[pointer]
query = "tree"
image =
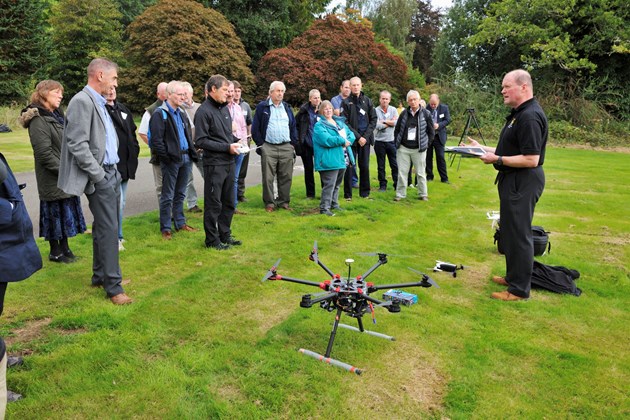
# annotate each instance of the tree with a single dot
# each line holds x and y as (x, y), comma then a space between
(392, 20)
(181, 40)
(424, 32)
(130, 9)
(329, 51)
(263, 25)
(23, 48)
(81, 31)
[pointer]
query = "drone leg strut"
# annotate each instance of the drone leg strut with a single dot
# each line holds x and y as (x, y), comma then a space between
(333, 333)
(373, 333)
(333, 362)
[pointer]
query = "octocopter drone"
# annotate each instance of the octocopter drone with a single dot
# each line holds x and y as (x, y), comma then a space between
(349, 295)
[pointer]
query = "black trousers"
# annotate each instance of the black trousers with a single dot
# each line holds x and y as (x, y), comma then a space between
(362, 158)
(218, 207)
(309, 173)
(436, 145)
(385, 149)
(519, 192)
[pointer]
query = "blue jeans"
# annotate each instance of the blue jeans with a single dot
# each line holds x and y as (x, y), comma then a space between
(175, 177)
(239, 162)
(121, 209)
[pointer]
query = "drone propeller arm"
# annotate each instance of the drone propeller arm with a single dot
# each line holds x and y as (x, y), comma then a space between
(299, 281)
(375, 287)
(381, 261)
(322, 298)
(326, 269)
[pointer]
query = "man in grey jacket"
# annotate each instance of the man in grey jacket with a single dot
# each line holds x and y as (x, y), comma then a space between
(89, 154)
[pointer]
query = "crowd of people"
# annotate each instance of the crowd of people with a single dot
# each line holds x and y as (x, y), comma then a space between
(93, 150)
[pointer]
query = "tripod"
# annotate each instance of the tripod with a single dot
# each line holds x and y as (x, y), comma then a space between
(472, 118)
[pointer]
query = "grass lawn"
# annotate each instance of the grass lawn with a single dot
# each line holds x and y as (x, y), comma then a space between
(207, 339)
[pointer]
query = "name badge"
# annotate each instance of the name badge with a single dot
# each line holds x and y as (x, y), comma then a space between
(123, 115)
(244, 113)
(441, 115)
(411, 134)
(362, 111)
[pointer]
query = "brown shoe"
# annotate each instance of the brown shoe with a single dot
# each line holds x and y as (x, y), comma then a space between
(167, 235)
(188, 229)
(237, 211)
(506, 296)
(269, 209)
(286, 206)
(121, 299)
(500, 280)
(195, 209)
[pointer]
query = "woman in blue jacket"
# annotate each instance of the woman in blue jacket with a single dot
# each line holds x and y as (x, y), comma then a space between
(331, 137)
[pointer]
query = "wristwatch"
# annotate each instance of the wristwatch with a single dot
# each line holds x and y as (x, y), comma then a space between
(500, 160)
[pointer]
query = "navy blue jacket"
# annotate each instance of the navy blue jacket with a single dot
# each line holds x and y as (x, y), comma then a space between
(19, 255)
(164, 138)
(261, 122)
(443, 119)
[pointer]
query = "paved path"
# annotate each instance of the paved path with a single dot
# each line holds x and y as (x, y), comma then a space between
(141, 195)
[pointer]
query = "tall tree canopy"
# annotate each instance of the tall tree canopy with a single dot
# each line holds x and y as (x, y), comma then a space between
(181, 40)
(391, 20)
(263, 25)
(330, 51)
(81, 31)
(23, 48)
(424, 33)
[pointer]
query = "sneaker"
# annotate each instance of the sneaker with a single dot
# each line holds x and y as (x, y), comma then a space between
(121, 247)
(13, 361)
(13, 396)
(336, 208)
(327, 212)
(232, 241)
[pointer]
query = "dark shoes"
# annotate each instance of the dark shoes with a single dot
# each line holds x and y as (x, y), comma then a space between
(13, 361)
(500, 280)
(327, 212)
(61, 258)
(187, 228)
(219, 247)
(231, 241)
(242, 199)
(195, 209)
(446, 182)
(121, 299)
(506, 296)
(286, 206)
(13, 396)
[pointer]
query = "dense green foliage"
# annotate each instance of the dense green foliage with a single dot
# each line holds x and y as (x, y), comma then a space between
(81, 31)
(329, 51)
(264, 25)
(181, 40)
(24, 48)
(207, 339)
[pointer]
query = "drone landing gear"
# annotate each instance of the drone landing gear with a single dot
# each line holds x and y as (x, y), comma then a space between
(327, 359)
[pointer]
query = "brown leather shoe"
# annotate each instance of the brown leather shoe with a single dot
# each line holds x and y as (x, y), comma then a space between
(506, 296)
(167, 235)
(195, 209)
(188, 229)
(121, 299)
(500, 280)
(269, 209)
(286, 206)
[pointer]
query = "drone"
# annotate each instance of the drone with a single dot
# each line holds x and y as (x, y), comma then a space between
(347, 295)
(447, 267)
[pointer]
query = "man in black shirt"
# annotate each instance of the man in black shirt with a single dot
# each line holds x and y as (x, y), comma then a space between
(518, 158)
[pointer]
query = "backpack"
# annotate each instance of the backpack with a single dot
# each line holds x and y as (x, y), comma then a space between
(165, 117)
(541, 241)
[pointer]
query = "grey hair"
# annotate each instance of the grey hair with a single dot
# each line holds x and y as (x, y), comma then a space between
(100, 64)
(275, 84)
(413, 92)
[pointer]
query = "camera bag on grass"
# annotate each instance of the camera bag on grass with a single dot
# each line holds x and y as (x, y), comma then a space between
(541, 241)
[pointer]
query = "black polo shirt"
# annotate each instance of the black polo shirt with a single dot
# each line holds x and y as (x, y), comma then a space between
(525, 133)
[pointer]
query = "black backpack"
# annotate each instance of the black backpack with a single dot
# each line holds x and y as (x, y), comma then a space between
(541, 241)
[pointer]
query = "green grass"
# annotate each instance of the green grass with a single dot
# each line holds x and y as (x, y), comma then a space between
(206, 339)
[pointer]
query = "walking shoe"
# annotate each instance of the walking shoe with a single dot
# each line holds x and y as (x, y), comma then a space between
(219, 247)
(230, 240)
(195, 209)
(69, 254)
(269, 209)
(506, 296)
(397, 198)
(121, 299)
(61, 258)
(286, 206)
(237, 211)
(336, 208)
(167, 235)
(242, 199)
(327, 212)
(13, 396)
(423, 198)
(500, 280)
(13, 361)
(187, 228)
(446, 182)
